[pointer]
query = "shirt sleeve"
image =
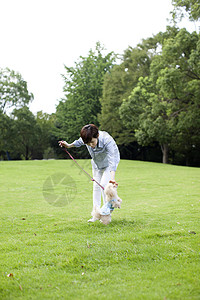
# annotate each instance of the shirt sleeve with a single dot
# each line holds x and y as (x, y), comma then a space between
(78, 143)
(112, 156)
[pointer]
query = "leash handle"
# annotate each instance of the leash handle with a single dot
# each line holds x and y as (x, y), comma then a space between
(83, 169)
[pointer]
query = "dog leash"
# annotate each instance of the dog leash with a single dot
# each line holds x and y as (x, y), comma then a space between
(82, 168)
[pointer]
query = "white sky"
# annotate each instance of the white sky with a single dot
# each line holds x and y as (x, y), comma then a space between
(39, 37)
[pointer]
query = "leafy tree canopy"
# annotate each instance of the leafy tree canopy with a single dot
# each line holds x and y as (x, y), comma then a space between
(118, 85)
(156, 107)
(26, 133)
(83, 89)
(13, 90)
(192, 7)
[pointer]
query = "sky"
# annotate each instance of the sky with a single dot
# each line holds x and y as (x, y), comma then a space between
(39, 37)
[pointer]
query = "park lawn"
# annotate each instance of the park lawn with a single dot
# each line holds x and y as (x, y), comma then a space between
(151, 250)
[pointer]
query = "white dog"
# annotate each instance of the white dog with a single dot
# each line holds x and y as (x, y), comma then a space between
(112, 201)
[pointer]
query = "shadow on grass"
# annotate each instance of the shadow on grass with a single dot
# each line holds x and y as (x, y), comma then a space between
(122, 222)
(115, 224)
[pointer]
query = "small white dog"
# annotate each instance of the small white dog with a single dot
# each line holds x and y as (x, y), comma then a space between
(112, 201)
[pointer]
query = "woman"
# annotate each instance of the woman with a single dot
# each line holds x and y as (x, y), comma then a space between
(105, 158)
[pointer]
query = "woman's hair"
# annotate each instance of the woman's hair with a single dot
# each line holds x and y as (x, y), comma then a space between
(88, 132)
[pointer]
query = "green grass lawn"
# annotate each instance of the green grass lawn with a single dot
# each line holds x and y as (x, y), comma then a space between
(151, 250)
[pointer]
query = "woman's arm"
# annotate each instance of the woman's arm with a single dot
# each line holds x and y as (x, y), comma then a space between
(112, 176)
(76, 143)
(65, 144)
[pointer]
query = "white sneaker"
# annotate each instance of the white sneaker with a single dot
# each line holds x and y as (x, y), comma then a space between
(92, 220)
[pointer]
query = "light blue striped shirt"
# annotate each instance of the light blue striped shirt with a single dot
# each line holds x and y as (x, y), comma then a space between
(105, 154)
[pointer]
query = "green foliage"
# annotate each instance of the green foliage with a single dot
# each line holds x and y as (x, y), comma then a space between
(145, 112)
(6, 133)
(46, 123)
(83, 89)
(113, 91)
(119, 83)
(26, 133)
(158, 103)
(13, 90)
(25, 136)
(192, 7)
(150, 250)
(16, 134)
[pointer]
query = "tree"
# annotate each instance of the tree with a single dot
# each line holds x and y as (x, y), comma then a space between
(192, 7)
(46, 124)
(145, 113)
(26, 133)
(113, 92)
(13, 90)
(156, 108)
(6, 134)
(83, 89)
(119, 83)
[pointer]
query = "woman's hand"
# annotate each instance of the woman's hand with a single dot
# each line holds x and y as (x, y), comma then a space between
(112, 178)
(114, 183)
(64, 144)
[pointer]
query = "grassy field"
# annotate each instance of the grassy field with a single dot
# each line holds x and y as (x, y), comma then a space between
(151, 250)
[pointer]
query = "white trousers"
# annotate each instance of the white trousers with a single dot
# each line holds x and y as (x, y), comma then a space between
(102, 177)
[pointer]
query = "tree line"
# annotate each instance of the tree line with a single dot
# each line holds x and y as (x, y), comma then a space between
(148, 99)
